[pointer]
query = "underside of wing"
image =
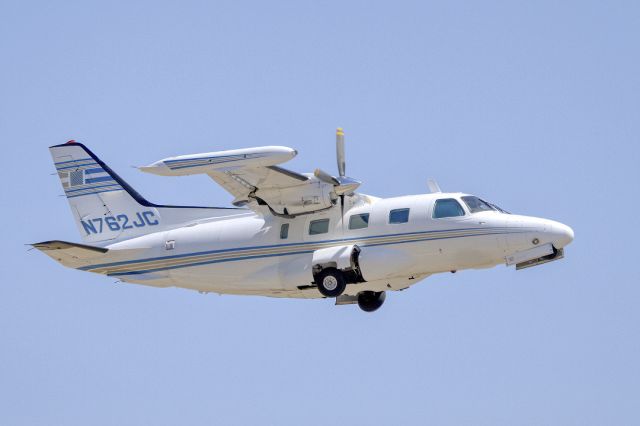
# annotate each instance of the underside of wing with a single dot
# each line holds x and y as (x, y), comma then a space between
(281, 191)
(244, 182)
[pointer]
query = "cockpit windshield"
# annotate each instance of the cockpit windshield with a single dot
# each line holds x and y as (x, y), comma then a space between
(501, 210)
(476, 205)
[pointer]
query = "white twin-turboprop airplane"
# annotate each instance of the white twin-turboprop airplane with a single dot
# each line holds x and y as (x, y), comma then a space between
(290, 234)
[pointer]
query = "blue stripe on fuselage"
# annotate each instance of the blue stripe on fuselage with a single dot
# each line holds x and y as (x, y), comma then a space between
(435, 233)
(258, 256)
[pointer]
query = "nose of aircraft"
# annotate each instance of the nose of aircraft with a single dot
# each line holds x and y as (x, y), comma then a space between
(562, 235)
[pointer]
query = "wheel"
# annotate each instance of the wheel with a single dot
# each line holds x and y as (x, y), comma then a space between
(331, 282)
(370, 301)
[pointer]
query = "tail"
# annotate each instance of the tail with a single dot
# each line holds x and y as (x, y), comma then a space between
(105, 207)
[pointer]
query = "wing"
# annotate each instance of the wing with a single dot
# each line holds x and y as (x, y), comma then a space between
(252, 176)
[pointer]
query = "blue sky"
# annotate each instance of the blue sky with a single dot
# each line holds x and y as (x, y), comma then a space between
(532, 105)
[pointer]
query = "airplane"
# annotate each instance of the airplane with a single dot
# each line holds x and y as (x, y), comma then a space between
(288, 234)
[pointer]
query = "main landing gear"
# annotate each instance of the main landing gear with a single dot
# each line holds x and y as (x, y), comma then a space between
(331, 282)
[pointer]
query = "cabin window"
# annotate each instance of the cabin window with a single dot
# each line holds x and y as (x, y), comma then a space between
(284, 231)
(447, 207)
(399, 216)
(359, 221)
(320, 226)
(476, 205)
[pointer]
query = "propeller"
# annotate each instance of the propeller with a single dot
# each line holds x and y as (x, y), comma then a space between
(342, 185)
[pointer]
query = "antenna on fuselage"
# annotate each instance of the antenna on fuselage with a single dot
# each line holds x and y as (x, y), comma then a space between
(433, 186)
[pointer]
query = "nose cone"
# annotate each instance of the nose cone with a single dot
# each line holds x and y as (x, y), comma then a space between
(562, 234)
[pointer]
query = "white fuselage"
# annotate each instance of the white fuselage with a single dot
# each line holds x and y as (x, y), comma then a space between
(246, 254)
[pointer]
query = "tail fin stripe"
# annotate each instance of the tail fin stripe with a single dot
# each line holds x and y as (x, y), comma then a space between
(73, 161)
(92, 171)
(92, 187)
(91, 193)
(76, 166)
(99, 179)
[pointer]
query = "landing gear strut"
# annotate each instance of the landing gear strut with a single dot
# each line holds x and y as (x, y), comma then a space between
(331, 282)
(369, 301)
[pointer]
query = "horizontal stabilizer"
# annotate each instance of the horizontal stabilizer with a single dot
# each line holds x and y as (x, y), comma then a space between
(76, 255)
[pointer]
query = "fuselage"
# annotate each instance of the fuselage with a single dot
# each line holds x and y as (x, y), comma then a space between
(250, 253)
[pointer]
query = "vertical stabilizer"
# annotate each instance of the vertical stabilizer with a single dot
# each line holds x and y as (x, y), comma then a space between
(106, 209)
(103, 205)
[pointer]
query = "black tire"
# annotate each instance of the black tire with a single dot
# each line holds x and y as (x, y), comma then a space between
(370, 301)
(331, 282)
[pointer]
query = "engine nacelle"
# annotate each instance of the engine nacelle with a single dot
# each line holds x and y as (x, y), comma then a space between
(310, 196)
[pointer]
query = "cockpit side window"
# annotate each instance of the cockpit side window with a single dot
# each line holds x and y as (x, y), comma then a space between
(359, 221)
(447, 207)
(476, 205)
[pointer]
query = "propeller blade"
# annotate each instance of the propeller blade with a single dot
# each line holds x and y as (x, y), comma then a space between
(326, 177)
(340, 151)
(342, 184)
